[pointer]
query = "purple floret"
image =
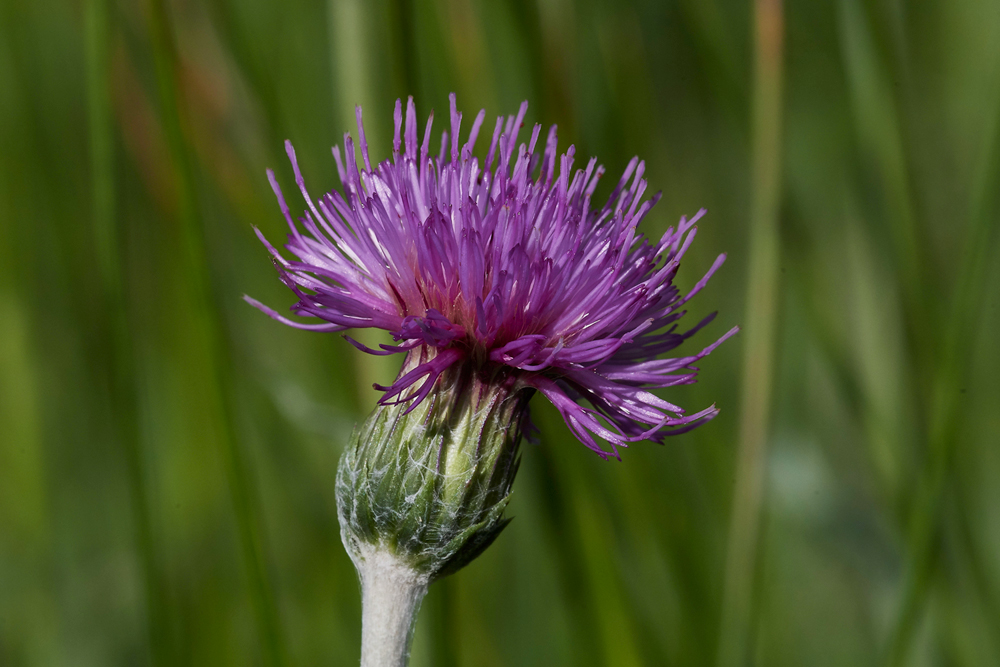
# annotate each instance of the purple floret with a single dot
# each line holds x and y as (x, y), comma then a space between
(502, 262)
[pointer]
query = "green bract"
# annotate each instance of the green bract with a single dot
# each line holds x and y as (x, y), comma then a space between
(430, 486)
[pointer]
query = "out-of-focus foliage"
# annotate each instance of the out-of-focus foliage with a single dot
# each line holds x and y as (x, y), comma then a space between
(167, 453)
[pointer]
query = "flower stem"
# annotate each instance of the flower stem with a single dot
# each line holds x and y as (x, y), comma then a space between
(391, 593)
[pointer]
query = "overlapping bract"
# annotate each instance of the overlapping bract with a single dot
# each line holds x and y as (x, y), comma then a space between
(502, 262)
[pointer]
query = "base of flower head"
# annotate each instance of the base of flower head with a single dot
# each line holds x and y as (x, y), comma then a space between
(429, 484)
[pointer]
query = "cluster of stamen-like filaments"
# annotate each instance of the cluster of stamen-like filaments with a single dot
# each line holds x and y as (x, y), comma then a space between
(504, 260)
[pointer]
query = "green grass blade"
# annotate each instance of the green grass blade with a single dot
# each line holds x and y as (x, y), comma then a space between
(121, 372)
(952, 368)
(759, 330)
(219, 373)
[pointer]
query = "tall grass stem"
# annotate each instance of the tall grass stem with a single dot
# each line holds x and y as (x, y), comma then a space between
(759, 333)
(951, 373)
(124, 407)
(219, 371)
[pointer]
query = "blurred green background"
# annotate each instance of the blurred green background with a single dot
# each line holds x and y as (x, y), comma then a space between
(167, 453)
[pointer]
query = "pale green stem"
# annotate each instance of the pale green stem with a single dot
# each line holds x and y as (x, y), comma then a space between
(391, 593)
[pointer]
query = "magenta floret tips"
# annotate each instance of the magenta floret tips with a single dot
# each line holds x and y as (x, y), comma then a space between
(504, 262)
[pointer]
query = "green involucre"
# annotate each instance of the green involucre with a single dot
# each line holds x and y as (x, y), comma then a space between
(431, 486)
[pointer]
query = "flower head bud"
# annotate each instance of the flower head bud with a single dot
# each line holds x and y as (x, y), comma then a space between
(428, 482)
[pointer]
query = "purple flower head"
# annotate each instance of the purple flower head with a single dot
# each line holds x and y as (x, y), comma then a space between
(504, 263)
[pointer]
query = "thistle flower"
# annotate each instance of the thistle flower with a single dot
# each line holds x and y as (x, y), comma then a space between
(502, 263)
(496, 280)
